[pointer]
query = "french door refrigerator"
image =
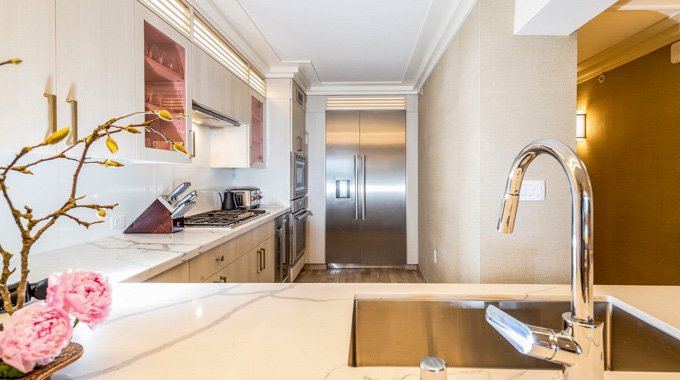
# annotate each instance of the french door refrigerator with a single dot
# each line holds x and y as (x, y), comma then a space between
(365, 188)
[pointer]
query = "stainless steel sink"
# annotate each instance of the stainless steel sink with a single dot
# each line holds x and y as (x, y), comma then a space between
(400, 332)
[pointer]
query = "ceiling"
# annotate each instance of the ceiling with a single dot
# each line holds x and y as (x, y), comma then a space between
(377, 46)
(622, 21)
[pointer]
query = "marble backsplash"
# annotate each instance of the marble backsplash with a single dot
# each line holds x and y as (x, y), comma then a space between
(133, 187)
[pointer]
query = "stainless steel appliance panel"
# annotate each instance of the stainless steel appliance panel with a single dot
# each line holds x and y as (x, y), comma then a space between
(342, 148)
(281, 249)
(298, 175)
(383, 191)
(366, 187)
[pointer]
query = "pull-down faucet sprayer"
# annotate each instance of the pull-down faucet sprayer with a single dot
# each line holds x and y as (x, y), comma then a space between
(579, 347)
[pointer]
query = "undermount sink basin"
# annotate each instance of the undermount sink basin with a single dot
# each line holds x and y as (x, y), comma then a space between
(400, 332)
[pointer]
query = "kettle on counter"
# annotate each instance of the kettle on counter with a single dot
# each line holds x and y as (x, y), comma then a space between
(229, 200)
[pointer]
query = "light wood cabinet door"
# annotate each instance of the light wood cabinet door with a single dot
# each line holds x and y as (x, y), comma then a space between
(267, 274)
(178, 274)
(96, 69)
(261, 262)
(299, 142)
(27, 31)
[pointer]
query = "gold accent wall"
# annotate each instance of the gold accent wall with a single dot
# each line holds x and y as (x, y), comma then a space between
(632, 152)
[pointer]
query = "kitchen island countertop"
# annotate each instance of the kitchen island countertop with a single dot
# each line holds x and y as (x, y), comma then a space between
(291, 331)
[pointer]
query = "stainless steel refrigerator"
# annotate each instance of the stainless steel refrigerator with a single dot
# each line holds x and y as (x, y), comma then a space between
(365, 188)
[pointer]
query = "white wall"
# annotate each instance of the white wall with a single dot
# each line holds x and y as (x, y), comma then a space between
(133, 186)
(274, 179)
(316, 128)
(316, 151)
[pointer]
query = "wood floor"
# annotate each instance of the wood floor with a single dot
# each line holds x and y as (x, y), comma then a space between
(360, 275)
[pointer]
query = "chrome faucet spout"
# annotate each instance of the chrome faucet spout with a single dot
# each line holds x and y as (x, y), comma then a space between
(581, 220)
(579, 345)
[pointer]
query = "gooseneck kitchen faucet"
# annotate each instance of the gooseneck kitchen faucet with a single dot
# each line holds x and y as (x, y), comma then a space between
(579, 347)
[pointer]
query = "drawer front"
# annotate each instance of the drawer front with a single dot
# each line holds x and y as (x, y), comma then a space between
(204, 266)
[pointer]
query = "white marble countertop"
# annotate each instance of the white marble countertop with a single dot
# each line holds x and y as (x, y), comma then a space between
(291, 331)
(138, 257)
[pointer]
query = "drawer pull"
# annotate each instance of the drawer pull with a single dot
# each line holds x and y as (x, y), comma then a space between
(259, 261)
(223, 278)
(219, 258)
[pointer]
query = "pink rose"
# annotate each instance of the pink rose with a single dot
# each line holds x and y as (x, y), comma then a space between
(83, 294)
(34, 334)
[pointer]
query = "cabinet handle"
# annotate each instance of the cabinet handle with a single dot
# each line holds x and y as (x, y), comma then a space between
(193, 144)
(259, 261)
(301, 144)
(264, 258)
(223, 278)
(73, 137)
(219, 258)
(252, 155)
(52, 99)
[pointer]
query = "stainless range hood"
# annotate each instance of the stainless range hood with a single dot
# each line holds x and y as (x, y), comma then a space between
(203, 115)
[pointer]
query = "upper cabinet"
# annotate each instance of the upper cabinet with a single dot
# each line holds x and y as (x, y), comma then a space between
(28, 99)
(217, 88)
(256, 132)
(299, 129)
(87, 61)
(162, 83)
(95, 59)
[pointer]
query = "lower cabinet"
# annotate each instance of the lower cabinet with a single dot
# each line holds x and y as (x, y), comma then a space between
(246, 258)
(257, 265)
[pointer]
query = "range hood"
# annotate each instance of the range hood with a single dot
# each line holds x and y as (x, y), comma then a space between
(203, 115)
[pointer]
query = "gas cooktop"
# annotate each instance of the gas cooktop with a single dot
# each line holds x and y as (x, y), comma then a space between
(222, 218)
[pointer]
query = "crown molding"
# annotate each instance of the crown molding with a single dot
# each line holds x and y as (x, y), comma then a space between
(648, 40)
(442, 23)
(435, 52)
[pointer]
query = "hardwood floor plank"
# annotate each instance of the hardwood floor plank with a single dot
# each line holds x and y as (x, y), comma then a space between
(369, 275)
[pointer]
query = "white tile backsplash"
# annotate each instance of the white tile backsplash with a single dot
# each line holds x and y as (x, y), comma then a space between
(133, 187)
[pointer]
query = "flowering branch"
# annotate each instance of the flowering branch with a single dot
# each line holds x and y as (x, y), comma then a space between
(32, 228)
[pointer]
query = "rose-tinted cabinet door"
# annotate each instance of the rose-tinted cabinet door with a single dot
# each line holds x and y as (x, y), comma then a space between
(257, 134)
(163, 59)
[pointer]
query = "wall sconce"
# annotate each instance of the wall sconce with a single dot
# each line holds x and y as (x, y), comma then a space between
(580, 126)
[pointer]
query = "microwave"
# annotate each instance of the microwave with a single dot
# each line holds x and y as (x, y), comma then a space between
(298, 175)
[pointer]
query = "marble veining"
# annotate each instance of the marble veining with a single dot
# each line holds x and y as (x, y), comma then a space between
(290, 331)
(138, 257)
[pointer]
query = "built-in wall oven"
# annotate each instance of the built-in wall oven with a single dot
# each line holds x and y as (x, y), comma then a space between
(298, 175)
(298, 233)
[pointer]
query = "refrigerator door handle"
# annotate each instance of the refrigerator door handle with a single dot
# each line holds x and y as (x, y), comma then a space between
(356, 187)
(363, 187)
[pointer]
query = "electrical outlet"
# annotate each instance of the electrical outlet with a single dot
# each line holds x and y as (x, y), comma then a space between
(117, 222)
(435, 256)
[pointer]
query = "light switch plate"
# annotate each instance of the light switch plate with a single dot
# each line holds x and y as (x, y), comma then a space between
(532, 191)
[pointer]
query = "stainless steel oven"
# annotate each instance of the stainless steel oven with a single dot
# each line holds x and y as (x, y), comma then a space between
(298, 175)
(298, 230)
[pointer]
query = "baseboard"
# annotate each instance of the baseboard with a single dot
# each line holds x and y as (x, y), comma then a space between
(360, 266)
(315, 266)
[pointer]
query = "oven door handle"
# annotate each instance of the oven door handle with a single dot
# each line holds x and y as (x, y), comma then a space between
(304, 215)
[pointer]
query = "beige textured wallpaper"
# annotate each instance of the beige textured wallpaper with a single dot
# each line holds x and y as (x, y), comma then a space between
(632, 152)
(491, 94)
(448, 162)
